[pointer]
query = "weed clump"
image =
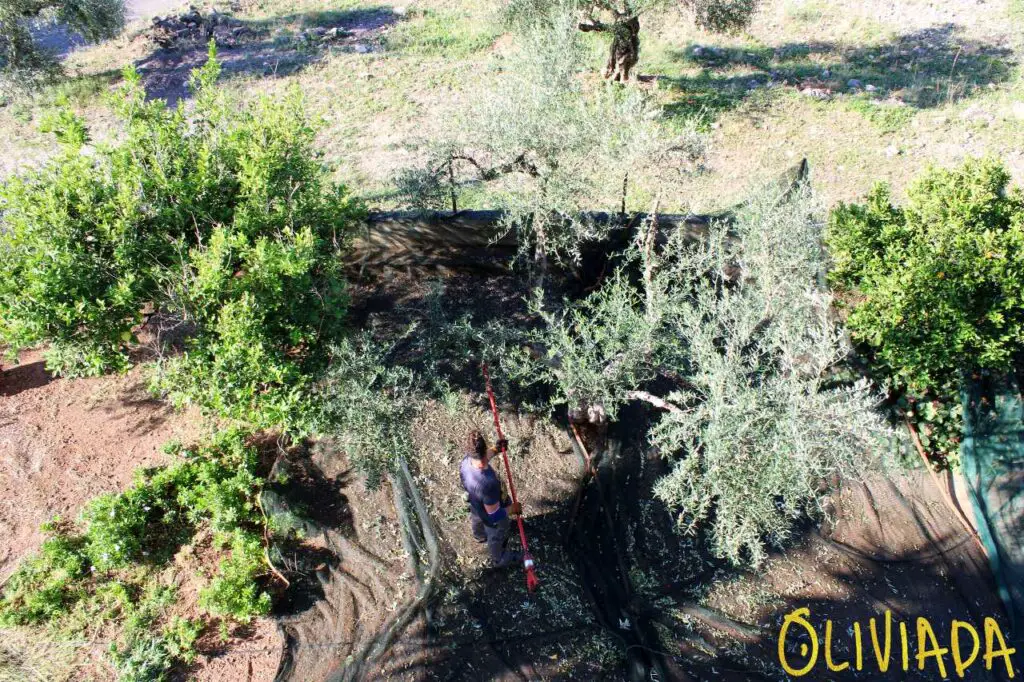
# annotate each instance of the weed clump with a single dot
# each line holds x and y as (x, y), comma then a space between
(102, 568)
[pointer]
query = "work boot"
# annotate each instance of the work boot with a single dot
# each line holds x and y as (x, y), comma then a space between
(509, 558)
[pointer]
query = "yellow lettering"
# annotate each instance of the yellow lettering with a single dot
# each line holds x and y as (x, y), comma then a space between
(959, 664)
(993, 632)
(828, 651)
(883, 664)
(924, 630)
(800, 618)
(857, 647)
(903, 644)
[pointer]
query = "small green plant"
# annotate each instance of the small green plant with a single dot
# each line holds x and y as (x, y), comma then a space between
(215, 487)
(47, 585)
(235, 590)
(937, 417)
(147, 652)
(937, 284)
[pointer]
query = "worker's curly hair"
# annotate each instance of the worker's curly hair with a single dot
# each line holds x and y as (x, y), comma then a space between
(476, 446)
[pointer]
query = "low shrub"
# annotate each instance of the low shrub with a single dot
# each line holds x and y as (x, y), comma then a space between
(148, 652)
(47, 585)
(235, 590)
(216, 487)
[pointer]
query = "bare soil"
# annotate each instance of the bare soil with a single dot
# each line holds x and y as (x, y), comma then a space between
(64, 441)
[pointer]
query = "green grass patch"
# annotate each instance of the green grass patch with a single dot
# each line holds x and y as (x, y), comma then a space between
(441, 33)
(80, 91)
(805, 12)
(888, 118)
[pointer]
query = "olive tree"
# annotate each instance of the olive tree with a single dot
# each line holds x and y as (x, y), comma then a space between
(731, 340)
(545, 147)
(620, 19)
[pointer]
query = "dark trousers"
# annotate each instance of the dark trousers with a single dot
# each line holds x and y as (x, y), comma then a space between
(495, 536)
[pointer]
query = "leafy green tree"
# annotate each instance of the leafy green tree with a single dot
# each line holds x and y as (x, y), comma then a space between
(219, 220)
(620, 19)
(938, 284)
(93, 19)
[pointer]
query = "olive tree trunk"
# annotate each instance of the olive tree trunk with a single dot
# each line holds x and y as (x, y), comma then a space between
(625, 49)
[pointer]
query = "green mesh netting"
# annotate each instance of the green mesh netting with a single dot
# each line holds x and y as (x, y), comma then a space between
(993, 464)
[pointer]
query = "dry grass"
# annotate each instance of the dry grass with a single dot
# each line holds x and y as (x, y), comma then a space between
(28, 655)
(946, 76)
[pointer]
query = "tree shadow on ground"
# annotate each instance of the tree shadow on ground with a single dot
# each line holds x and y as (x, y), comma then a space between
(269, 48)
(908, 557)
(25, 377)
(304, 502)
(922, 70)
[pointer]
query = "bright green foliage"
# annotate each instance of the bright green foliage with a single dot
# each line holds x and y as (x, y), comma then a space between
(221, 218)
(129, 526)
(368, 403)
(939, 282)
(216, 486)
(235, 591)
(45, 585)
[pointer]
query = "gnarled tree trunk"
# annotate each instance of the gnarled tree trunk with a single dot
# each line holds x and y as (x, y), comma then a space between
(625, 49)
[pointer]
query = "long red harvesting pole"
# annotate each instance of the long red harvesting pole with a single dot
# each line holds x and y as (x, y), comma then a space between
(531, 576)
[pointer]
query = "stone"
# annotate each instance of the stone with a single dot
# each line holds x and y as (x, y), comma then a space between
(870, 88)
(816, 93)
